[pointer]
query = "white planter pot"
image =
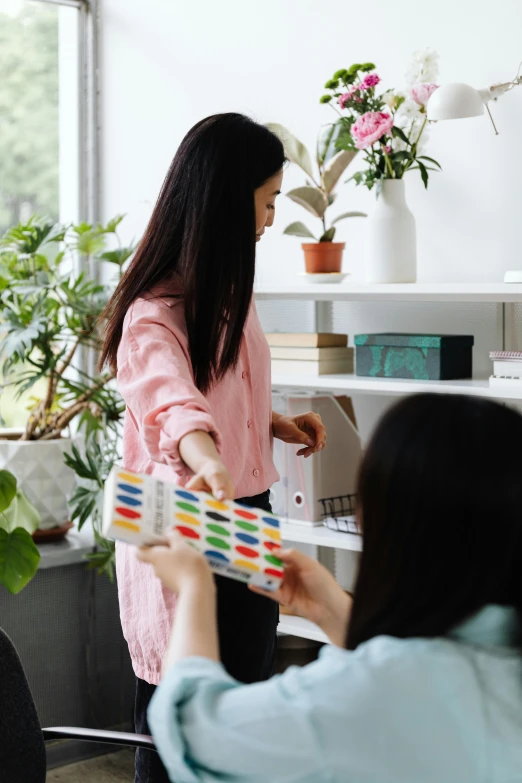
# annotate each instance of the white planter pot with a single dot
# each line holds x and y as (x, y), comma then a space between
(392, 242)
(42, 474)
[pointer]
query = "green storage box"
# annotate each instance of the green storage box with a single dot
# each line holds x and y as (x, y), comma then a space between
(424, 357)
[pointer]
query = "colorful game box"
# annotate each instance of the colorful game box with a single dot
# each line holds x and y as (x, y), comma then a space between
(239, 542)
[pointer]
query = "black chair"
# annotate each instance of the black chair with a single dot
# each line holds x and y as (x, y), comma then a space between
(22, 740)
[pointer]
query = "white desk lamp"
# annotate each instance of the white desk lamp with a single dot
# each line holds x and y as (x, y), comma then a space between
(458, 101)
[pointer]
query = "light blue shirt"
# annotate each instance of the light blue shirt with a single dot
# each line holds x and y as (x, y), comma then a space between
(447, 710)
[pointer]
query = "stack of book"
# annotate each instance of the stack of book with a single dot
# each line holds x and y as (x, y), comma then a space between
(507, 368)
(310, 354)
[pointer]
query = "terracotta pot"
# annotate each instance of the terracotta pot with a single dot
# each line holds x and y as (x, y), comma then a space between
(323, 257)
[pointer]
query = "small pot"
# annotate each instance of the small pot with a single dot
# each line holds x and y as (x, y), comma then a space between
(323, 257)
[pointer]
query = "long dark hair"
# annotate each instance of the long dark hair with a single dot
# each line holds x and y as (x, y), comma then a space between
(202, 233)
(440, 493)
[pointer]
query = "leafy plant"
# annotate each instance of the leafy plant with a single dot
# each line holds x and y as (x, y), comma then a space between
(390, 127)
(318, 194)
(50, 335)
(19, 556)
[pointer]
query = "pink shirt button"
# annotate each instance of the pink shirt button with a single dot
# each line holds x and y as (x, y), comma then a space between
(243, 374)
(256, 473)
(250, 423)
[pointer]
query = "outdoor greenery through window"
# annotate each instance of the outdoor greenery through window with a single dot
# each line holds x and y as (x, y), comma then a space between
(39, 110)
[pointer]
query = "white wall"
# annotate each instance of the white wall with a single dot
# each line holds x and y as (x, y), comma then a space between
(166, 64)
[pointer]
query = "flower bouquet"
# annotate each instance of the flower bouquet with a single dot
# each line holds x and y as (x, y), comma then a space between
(389, 127)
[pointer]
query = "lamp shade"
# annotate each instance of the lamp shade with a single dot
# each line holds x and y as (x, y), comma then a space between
(454, 102)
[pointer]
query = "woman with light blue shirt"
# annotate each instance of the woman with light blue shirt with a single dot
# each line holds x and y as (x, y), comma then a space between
(423, 680)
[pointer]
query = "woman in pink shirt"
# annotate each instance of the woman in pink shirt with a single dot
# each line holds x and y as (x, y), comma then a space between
(193, 366)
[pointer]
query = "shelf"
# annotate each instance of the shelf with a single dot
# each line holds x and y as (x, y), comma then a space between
(320, 536)
(298, 626)
(392, 386)
(394, 292)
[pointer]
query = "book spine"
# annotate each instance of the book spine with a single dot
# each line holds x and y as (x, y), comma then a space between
(496, 380)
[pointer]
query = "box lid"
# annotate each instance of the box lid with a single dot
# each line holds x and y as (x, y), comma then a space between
(400, 340)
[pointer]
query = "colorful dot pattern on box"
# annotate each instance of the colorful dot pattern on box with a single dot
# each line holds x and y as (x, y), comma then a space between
(225, 532)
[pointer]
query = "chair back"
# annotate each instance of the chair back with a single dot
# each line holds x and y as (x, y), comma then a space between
(22, 749)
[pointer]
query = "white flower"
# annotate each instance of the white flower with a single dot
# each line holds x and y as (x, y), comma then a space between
(390, 97)
(398, 145)
(424, 67)
(407, 112)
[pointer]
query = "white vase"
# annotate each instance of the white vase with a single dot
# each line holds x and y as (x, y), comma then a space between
(42, 474)
(392, 241)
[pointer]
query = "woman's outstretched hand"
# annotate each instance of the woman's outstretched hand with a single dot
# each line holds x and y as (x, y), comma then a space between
(306, 429)
(213, 477)
(309, 590)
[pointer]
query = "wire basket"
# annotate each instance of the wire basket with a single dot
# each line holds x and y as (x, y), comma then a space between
(339, 513)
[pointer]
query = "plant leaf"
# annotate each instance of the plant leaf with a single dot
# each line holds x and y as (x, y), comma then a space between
(21, 513)
(328, 235)
(335, 167)
(312, 199)
(298, 230)
(424, 173)
(295, 150)
(7, 489)
(19, 558)
(431, 160)
(348, 215)
(326, 143)
(399, 133)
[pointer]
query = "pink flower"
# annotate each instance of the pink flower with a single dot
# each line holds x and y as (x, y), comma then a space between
(422, 92)
(387, 149)
(347, 96)
(370, 80)
(370, 128)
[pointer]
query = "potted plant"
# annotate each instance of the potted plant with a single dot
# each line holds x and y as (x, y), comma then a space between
(317, 195)
(390, 130)
(19, 556)
(49, 335)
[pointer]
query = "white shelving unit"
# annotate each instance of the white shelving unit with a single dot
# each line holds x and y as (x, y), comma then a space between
(298, 626)
(320, 536)
(478, 387)
(347, 291)
(394, 292)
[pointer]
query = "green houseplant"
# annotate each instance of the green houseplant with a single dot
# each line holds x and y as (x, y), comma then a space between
(19, 556)
(317, 195)
(49, 337)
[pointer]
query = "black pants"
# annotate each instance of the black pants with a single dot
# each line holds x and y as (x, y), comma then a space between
(247, 628)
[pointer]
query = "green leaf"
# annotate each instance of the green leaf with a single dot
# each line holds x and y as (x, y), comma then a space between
(21, 513)
(19, 558)
(7, 489)
(113, 224)
(431, 160)
(335, 168)
(366, 67)
(326, 143)
(118, 256)
(294, 149)
(298, 230)
(398, 133)
(325, 98)
(348, 215)
(424, 173)
(353, 69)
(312, 199)
(401, 155)
(328, 235)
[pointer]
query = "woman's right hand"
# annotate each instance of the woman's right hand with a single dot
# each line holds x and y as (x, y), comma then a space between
(213, 477)
(309, 590)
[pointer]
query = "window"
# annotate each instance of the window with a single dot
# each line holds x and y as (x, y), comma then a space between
(45, 109)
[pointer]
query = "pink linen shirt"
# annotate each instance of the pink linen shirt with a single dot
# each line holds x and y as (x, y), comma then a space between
(163, 405)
